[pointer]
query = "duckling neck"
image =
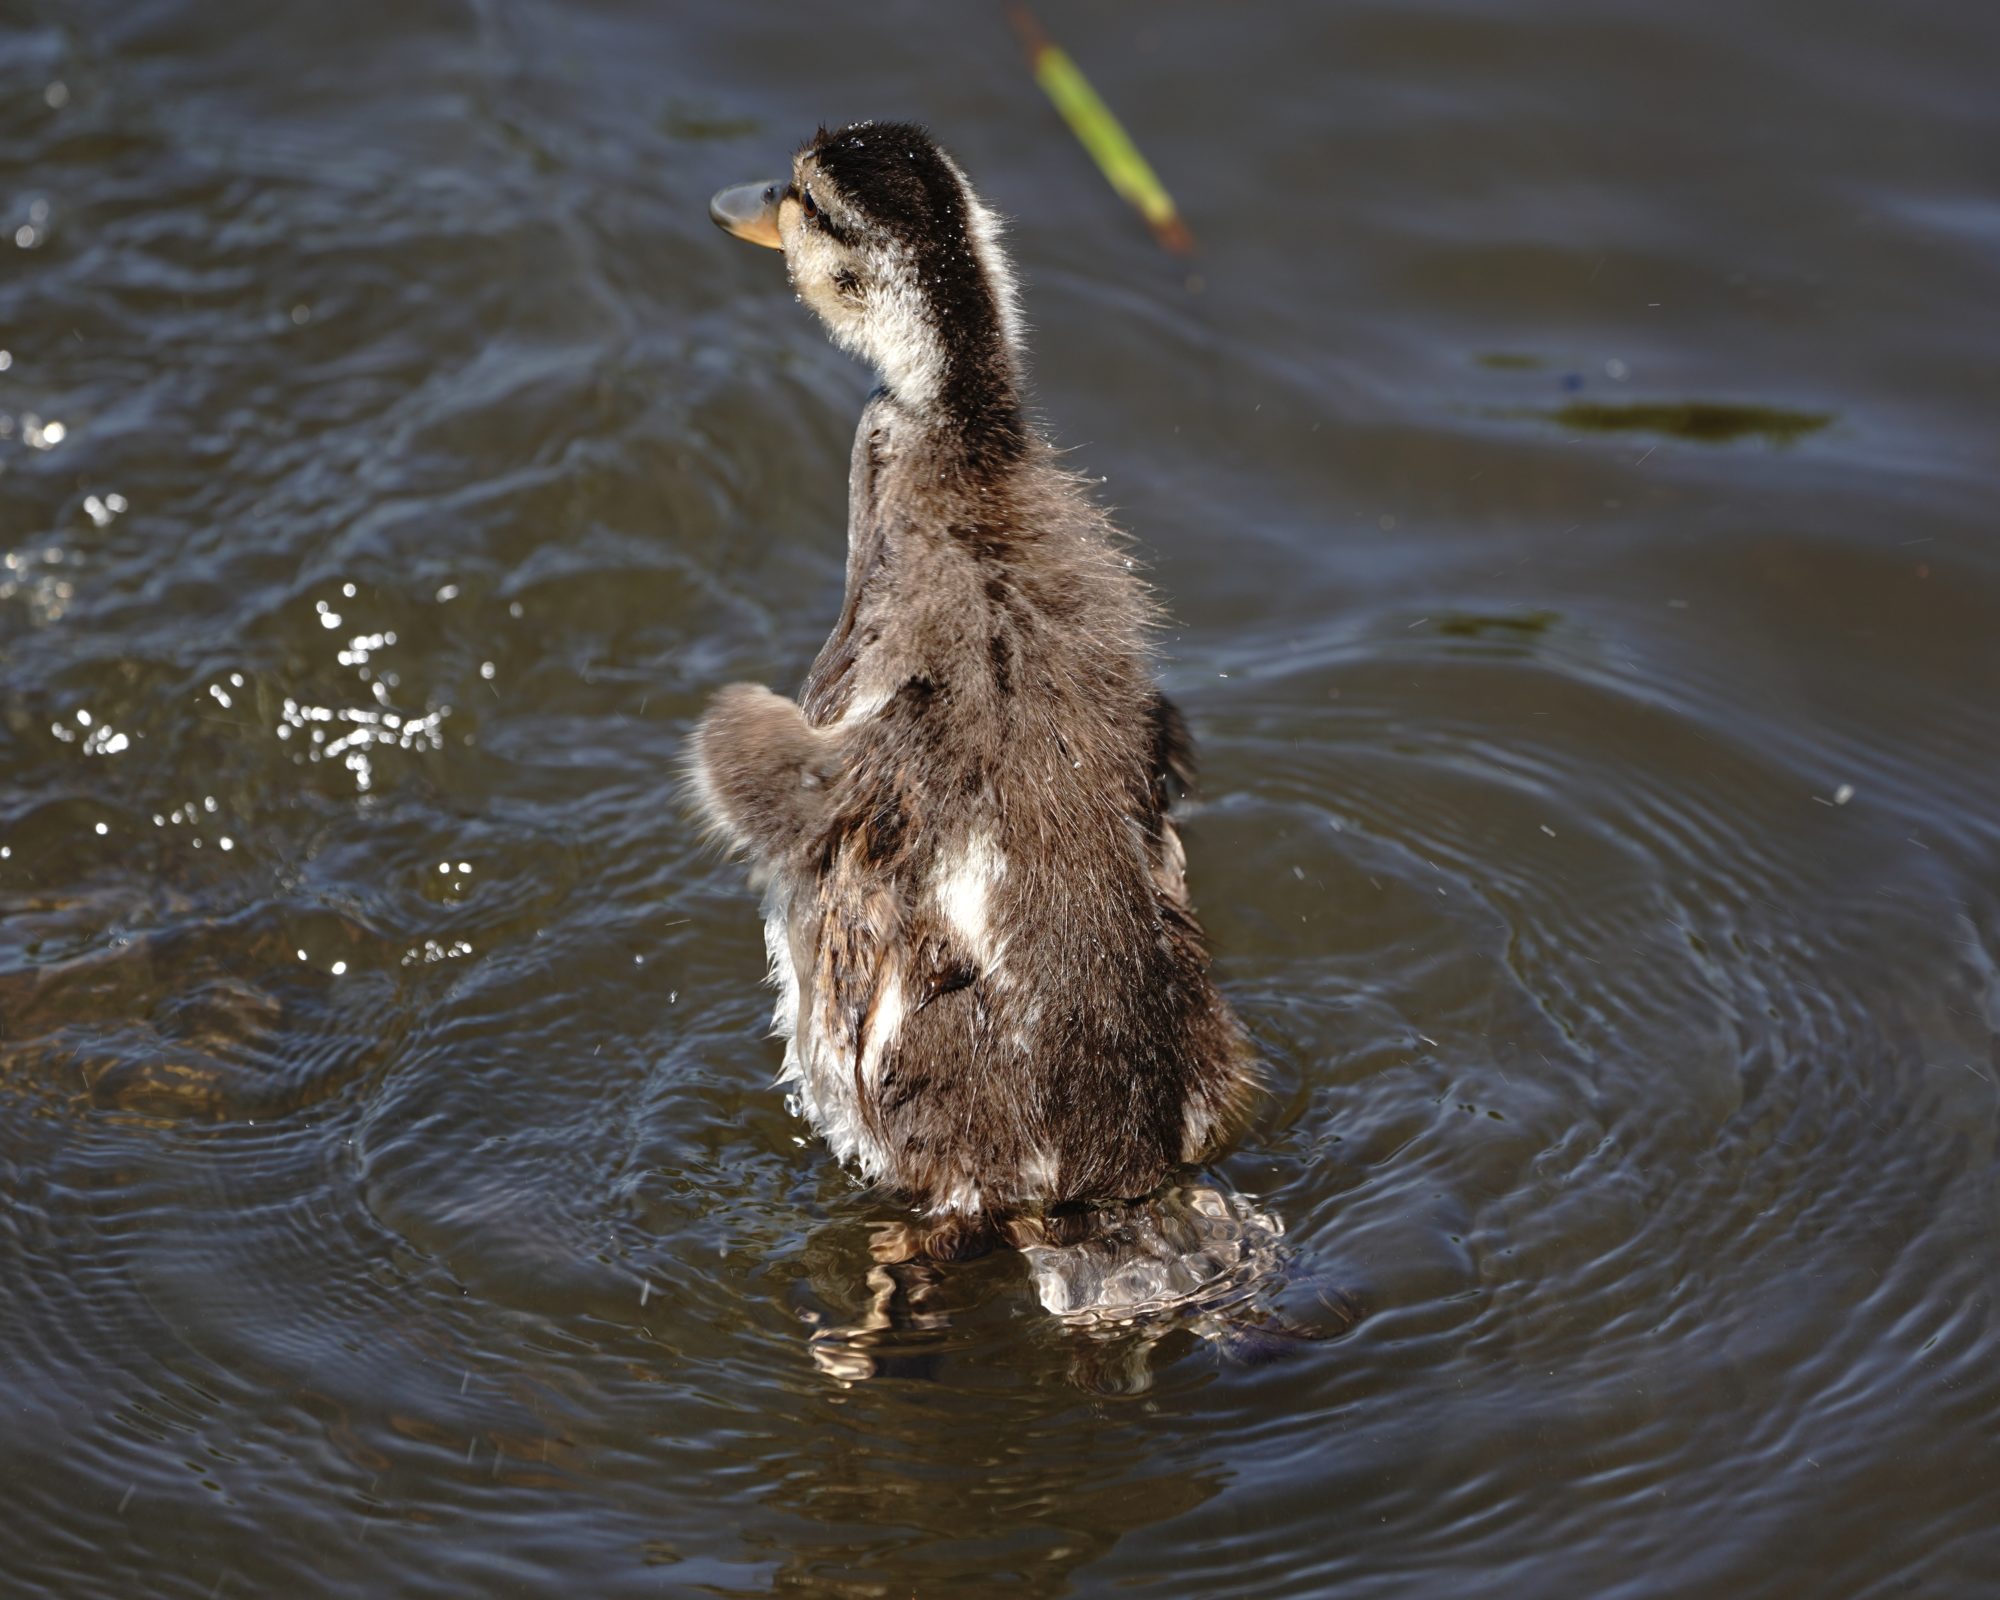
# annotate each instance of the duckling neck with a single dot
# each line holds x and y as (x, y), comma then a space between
(975, 421)
(949, 363)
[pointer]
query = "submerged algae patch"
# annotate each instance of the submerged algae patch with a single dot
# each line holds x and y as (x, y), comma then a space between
(1703, 421)
(1519, 629)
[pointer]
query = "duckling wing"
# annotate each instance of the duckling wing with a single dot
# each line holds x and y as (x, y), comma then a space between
(846, 948)
(1173, 752)
(760, 773)
(1172, 768)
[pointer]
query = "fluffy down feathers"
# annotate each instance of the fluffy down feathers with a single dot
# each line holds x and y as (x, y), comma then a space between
(997, 993)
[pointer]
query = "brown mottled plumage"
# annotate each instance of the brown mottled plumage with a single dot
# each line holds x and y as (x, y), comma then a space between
(996, 992)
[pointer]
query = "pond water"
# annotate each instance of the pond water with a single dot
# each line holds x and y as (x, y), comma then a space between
(1570, 459)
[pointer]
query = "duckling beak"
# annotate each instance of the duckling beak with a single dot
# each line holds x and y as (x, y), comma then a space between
(750, 211)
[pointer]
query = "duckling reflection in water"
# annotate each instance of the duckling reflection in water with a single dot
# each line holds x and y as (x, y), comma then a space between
(1126, 1279)
(993, 990)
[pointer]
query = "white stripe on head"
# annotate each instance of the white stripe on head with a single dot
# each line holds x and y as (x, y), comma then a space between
(986, 228)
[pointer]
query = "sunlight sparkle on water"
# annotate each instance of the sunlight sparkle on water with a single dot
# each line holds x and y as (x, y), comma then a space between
(365, 728)
(99, 738)
(102, 508)
(47, 594)
(349, 733)
(432, 951)
(362, 646)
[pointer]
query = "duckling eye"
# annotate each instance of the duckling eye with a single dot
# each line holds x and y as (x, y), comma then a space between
(806, 200)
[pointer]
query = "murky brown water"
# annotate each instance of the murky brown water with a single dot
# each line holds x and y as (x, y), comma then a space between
(1573, 472)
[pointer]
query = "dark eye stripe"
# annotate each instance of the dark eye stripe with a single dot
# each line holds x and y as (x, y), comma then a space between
(823, 220)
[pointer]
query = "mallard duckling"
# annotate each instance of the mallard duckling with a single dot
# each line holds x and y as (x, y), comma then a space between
(994, 992)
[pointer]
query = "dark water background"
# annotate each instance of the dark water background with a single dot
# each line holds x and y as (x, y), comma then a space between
(1573, 470)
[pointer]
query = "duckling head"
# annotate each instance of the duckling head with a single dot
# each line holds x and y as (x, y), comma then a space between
(886, 241)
